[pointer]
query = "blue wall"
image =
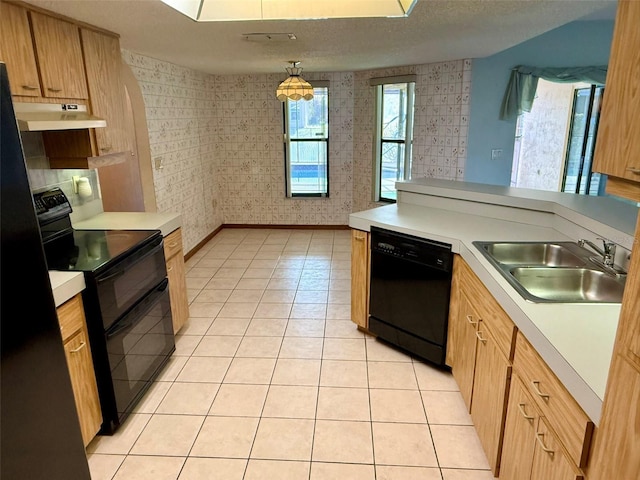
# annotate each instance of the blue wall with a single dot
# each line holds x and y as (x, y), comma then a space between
(572, 45)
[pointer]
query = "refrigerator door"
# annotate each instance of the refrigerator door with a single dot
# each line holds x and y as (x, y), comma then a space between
(40, 436)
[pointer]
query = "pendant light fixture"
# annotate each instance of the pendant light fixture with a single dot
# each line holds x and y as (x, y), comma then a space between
(295, 87)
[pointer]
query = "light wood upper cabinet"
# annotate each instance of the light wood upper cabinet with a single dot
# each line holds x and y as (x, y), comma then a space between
(617, 149)
(106, 92)
(59, 57)
(16, 50)
(83, 378)
(360, 278)
(174, 257)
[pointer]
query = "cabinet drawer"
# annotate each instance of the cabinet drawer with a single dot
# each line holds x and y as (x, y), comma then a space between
(172, 243)
(563, 413)
(489, 311)
(70, 317)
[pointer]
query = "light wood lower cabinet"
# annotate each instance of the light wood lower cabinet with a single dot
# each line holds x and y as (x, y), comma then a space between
(532, 451)
(463, 340)
(176, 274)
(529, 425)
(481, 337)
(360, 259)
(83, 379)
(570, 423)
(490, 393)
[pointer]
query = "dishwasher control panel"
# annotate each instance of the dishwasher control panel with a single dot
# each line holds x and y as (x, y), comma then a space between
(421, 250)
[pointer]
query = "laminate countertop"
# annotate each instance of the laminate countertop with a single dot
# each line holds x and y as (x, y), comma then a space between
(165, 222)
(66, 285)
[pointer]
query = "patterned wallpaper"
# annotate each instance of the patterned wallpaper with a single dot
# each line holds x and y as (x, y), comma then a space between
(441, 124)
(219, 139)
(181, 114)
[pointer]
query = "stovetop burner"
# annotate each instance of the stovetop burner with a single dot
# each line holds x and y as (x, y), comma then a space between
(92, 250)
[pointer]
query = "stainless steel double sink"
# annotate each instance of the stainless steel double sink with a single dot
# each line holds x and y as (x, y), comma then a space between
(554, 272)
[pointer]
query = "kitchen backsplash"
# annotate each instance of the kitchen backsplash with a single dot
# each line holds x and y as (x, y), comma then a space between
(42, 179)
(219, 140)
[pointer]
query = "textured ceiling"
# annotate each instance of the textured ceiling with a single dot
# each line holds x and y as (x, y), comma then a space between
(436, 30)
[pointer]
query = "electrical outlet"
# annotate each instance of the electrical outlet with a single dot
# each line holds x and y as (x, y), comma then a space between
(158, 163)
(496, 153)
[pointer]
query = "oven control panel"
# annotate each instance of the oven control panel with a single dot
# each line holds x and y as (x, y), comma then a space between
(51, 205)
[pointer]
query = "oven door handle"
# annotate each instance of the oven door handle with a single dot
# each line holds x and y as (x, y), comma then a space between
(116, 331)
(102, 279)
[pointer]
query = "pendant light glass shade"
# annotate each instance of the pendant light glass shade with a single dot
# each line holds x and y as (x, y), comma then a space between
(295, 87)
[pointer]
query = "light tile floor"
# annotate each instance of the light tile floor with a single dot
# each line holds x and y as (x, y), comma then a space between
(271, 380)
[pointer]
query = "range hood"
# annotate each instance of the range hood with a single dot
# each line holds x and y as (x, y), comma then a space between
(39, 117)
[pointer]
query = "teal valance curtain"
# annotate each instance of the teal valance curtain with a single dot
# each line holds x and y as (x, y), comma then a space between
(521, 89)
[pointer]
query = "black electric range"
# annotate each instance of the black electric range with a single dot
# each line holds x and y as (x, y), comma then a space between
(126, 301)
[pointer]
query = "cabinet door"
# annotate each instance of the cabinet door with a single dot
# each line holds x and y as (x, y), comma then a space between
(519, 435)
(106, 93)
(360, 278)
(618, 149)
(16, 50)
(83, 382)
(60, 57)
(549, 462)
(490, 393)
(465, 342)
(178, 291)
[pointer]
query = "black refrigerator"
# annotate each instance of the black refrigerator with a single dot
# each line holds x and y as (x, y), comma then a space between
(39, 431)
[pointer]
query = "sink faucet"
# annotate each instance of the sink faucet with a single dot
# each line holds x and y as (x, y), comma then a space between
(608, 251)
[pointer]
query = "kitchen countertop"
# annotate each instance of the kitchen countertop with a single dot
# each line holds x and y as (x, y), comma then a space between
(66, 285)
(575, 340)
(165, 222)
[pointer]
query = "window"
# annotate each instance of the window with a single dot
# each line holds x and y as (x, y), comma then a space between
(554, 142)
(393, 136)
(306, 137)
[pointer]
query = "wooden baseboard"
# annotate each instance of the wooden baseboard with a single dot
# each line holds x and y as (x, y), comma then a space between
(195, 249)
(289, 227)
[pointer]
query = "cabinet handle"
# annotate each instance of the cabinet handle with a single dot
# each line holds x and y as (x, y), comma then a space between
(536, 388)
(470, 320)
(76, 350)
(169, 269)
(29, 87)
(540, 439)
(360, 239)
(633, 170)
(108, 148)
(483, 340)
(523, 412)
(173, 245)
(54, 89)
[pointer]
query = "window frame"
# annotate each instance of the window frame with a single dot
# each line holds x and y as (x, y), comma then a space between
(379, 141)
(317, 84)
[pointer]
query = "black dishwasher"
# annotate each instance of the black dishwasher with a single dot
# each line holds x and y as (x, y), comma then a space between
(410, 290)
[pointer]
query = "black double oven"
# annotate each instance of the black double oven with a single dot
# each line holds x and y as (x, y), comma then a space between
(126, 302)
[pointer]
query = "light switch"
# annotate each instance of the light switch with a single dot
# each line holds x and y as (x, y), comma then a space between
(496, 153)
